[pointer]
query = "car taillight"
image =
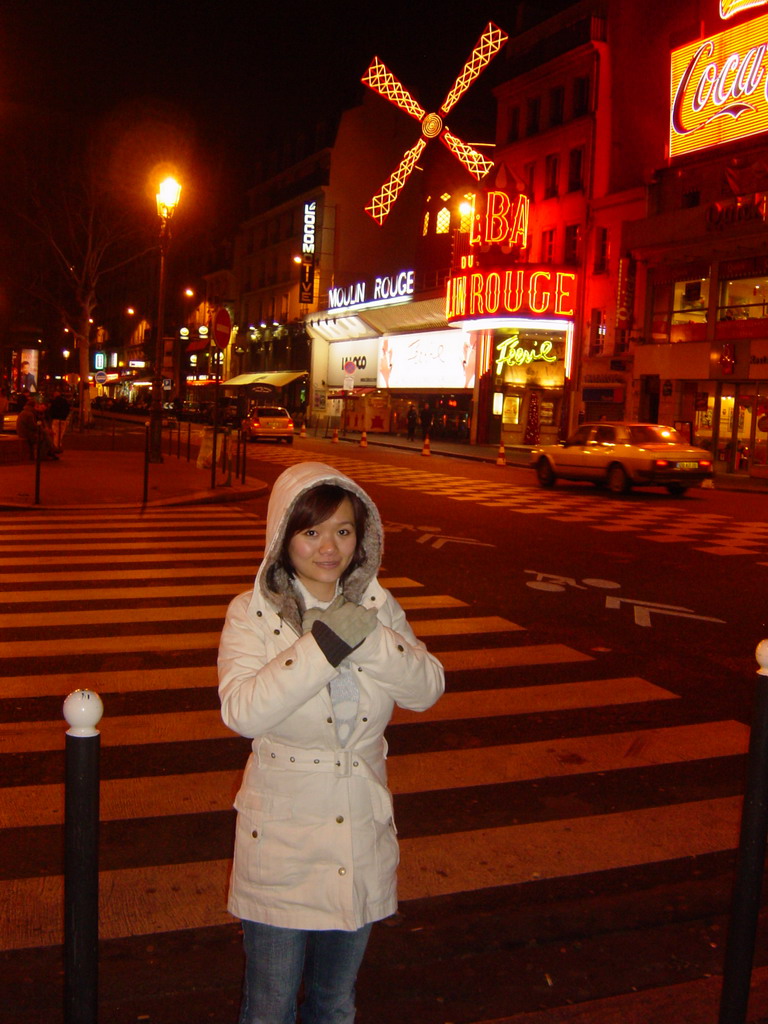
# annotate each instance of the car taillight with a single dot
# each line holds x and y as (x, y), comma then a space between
(705, 463)
(256, 423)
(661, 462)
(290, 424)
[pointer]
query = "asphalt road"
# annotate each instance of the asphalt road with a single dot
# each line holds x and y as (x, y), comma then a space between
(568, 814)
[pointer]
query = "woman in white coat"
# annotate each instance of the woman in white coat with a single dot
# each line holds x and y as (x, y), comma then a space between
(311, 664)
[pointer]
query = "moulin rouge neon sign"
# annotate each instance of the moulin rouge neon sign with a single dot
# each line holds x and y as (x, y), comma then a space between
(477, 292)
(719, 88)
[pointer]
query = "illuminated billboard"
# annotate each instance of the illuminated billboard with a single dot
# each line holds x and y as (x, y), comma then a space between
(718, 88)
(434, 359)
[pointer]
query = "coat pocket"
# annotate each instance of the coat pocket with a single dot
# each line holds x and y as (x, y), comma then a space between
(262, 821)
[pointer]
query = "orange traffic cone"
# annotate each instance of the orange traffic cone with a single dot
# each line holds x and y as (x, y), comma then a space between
(363, 440)
(425, 450)
(335, 438)
(501, 459)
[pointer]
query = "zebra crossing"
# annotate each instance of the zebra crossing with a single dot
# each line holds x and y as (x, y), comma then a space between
(665, 523)
(516, 780)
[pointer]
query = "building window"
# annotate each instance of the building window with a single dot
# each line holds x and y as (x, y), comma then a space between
(551, 172)
(581, 95)
(443, 221)
(556, 105)
(601, 250)
(548, 246)
(533, 118)
(425, 227)
(597, 332)
(529, 177)
(571, 246)
(680, 310)
(576, 170)
(513, 126)
(745, 298)
(466, 211)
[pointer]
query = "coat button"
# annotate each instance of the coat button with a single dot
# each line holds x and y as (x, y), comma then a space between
(317, 760)
(399, 646)
(342, 871)
(329, 721)
(255, 833)
(293, 760)
(289, 662)
(365, 718)
(277, 633)
(259, 614)
(339, 819)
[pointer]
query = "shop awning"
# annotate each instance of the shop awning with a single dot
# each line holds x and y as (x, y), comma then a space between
(423, 315)
(276, 380)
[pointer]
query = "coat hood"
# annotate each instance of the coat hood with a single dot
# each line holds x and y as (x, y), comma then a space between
(272, 581)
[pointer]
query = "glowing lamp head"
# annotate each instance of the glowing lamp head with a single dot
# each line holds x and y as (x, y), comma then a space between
(168, 197)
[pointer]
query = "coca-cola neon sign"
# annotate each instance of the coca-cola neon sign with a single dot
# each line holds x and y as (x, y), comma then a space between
(719, 88)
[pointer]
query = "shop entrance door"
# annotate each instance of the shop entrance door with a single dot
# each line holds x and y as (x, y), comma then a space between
(738, 436)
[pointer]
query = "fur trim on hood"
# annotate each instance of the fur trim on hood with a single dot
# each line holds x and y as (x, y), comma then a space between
(272, 581)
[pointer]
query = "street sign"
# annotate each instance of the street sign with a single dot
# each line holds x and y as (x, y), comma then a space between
(100, 377)
(221, 328)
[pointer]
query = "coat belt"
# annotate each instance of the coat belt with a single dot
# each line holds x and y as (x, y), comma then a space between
(284, 757)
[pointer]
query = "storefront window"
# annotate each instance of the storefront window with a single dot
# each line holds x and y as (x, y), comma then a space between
(743, 299)
(680, 310)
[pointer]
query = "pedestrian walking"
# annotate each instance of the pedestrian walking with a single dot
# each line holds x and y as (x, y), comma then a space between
(411, 419)
(426, 421)
(311, 663)
(31, 431)
(58, 413)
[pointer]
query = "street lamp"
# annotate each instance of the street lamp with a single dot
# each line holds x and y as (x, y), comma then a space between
(167, 201)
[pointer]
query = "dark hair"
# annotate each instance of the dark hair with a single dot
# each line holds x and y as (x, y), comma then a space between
(315, 506)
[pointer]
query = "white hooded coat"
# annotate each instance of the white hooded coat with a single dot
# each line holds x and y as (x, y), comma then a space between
(316, 844)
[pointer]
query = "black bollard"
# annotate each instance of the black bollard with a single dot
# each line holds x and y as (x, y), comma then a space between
(83, 710)
(745, 902)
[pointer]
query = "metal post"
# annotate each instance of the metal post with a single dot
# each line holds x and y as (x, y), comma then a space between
(245, 453)
(147, 429)
(745, 903)
(212, 356)
(156, 411)
(38, 450)
(189, 439)
(83, 710)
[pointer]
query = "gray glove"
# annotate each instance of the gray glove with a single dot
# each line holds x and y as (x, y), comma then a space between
(311, 615)
(341, 628)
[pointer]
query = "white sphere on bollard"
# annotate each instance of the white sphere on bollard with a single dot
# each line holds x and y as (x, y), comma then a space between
(83, 710)
(761, 653)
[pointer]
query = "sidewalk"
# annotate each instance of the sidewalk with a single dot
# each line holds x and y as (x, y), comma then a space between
(86, 478)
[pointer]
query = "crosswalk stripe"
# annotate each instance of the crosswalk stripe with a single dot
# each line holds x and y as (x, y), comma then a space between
(117, 546)
(92, 616)
(60, 684)
(526, 699)
(203, 725)
(168, 795)
(109, 555)
(120, 593)
(141, 901)
(509, 657)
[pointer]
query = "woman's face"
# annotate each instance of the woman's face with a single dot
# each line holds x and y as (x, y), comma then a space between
(322, 553)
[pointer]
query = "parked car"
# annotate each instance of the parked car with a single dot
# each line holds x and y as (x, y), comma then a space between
(268, 423)
(623, 455)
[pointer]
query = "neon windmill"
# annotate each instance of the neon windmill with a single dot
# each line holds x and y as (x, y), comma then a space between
(379, 78)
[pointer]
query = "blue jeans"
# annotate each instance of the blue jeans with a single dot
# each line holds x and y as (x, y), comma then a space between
(278, 959)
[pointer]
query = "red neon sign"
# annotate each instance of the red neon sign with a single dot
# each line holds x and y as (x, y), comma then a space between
(499, 292)
(718, 88)
(506, 220)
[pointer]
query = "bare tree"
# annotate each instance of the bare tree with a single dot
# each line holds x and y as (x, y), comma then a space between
(85, 232)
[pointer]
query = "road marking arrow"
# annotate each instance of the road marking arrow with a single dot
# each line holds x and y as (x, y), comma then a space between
(644, 609)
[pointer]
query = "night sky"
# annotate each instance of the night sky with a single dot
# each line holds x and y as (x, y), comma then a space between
(239, 73)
